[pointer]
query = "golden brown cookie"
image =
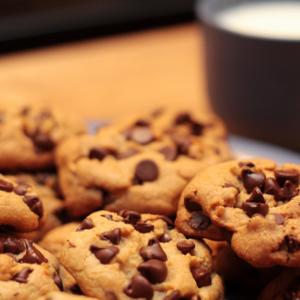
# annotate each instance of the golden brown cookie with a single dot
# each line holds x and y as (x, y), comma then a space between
(133, 256)
(141, 163)
(256, 202)
(30, 132)
(64, 296)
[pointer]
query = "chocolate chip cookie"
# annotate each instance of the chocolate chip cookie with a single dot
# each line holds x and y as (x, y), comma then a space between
(256, 203)
(21, 207)
(140, 163)
(134, 256)
(45, 186)
(284, 287)
(26, 270)
(29, 134)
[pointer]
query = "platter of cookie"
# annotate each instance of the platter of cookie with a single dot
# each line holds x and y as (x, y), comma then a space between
(161, 206)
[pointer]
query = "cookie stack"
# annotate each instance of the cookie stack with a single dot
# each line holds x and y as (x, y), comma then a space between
(91, 216)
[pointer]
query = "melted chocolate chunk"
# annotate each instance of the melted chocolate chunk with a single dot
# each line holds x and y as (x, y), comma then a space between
(183, 118)
(114, 236)
(43, 142)
(75, 289)
(139, 287)
(191, 205)
(186, 246)
(86, 224)
(6, 186)
(287, 175)
(130, 217)
(154, 270)
(252, 179)
(255, 204)
(198, 221)
(146, 171)
(197, 128)
(143, 227)
(35, 204)
(153, 251)
(289, 244)
(169, 152)
(105, 255)
(271, 187)
(22, 276)
(58, 281)
(288, 191)
(32, 254)
(168, 221)
(201, 275)
(12, 245)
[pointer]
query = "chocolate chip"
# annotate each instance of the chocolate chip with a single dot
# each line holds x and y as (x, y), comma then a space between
(13, 245)
(143, 227)
(131, 217)
(197, 128)
(252, 179)
(182, 143)
(75, 289)
(175, 295)
(6, 186)
(183, 118)
(252, 208)
(289, 244)
(32, 254)
(201, 275)
(165, 238)
(256, 196)
(114, 236)
(22, 276)
(108, 217)
(186, 246)
(99, 153)
(139, 287)
(35, 204)
(127, 153)
(105, 255)
(288, 191)
(142, 123)
(191, 205)
(271, 187)
(169, 152)
(43, 142)
(198, 221)
(141, 135)
(86, 224)
(283, 175)
(153, 251)
(58, 281)
(154, 270)
(146, 171)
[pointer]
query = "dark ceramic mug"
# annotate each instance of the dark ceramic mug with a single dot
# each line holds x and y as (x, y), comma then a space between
(253, 82)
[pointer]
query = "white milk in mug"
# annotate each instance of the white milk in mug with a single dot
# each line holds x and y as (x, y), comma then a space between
(274, 19)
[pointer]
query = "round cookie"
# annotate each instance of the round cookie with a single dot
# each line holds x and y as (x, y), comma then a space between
(141, 164)
(26, 270)
(45, 185)
(256, 202)
(64, 296)
(30, 132)
(133, 256)
(284, 287)
(21, 208)
(55, 239)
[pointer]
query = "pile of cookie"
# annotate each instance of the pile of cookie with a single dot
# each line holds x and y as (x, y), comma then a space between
(149, 207)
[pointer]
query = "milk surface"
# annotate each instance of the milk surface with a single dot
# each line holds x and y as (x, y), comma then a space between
(277, 19)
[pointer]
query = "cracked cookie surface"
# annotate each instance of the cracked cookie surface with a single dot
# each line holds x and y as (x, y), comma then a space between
(134, 256)
(141, 163)
(255, 202)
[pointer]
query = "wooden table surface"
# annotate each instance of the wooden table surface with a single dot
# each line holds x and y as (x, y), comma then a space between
(110, 77)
